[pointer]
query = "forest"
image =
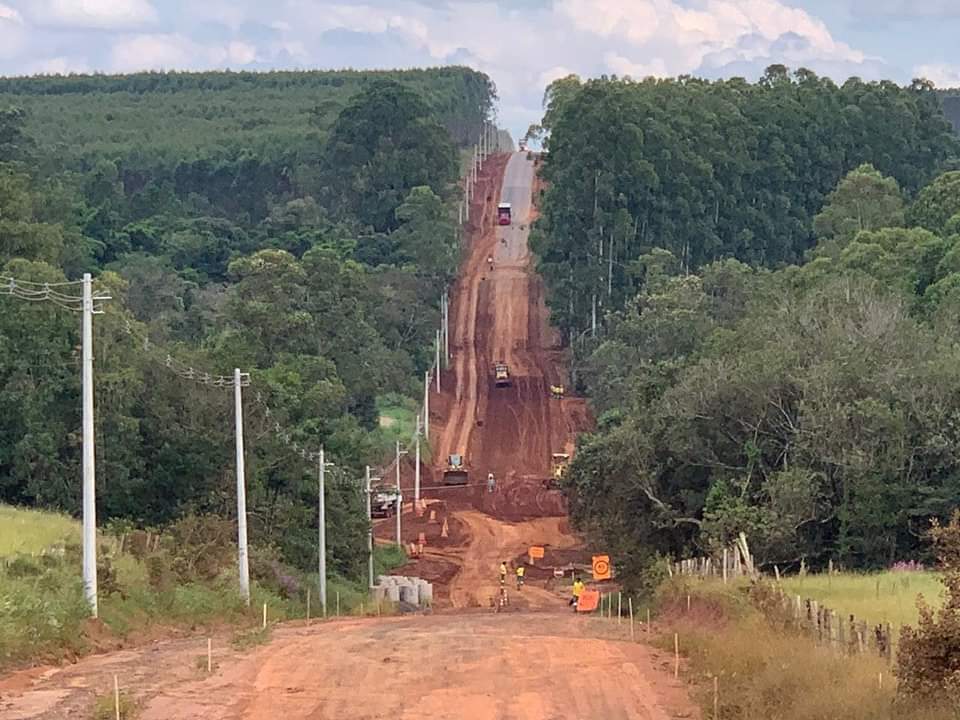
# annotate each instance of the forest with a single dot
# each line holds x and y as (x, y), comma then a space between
(300, 226)
(772, 273)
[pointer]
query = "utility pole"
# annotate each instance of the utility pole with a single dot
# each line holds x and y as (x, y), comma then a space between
(445, 317)
(426, 404)
(322, 518)
(399, 495)
(243, 560)
(369, 530)
(437, 360)
(89, 458)
(416, 474)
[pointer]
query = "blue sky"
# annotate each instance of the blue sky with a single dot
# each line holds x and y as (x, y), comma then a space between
(522, 44)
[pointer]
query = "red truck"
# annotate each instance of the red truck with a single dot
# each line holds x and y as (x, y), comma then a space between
(503, 213)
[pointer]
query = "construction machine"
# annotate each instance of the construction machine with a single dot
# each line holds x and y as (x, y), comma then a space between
(557, 392)
(558, 468)
(456, 472)
(383, 504)
(501, 374)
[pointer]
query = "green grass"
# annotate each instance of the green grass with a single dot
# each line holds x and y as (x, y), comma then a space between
(43, 614)
(30, 532)
(764, 671)
(888, 597)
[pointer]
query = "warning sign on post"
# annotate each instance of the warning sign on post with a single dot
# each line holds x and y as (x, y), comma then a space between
(601, 567)
(535, 553)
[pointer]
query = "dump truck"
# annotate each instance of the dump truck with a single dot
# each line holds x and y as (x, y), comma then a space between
(456, 472)
(504, 213)
(501, 374)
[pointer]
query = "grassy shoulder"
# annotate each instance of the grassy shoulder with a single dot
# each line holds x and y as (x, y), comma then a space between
(44, 617)
(766, 670)
(887, 597)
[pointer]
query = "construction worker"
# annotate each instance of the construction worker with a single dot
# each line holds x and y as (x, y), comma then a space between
(490, 261)
(578, 587)
(520, 572)
(503, 572)
(491, 482)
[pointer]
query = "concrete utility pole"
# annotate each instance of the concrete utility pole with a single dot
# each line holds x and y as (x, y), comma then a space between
(399, 494)
(89, 457)
(416, 473)
(437, 360)
(243, 559)
(369, 530)
(445, 316)
(322, 518)
(426, 405)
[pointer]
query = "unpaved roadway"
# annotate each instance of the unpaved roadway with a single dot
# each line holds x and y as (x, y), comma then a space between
(535, 660)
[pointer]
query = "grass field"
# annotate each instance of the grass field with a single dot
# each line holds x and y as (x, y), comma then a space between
(44, 617)
(30, 532)
(889, 597)
(764, 673)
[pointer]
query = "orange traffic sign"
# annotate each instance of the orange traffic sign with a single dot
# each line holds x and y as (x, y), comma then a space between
(536, 552)
(588, 601)
(601, 567)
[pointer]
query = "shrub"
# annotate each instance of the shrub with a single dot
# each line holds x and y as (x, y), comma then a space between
(928, 663)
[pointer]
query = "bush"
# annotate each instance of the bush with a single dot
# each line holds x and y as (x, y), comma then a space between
(928, 663)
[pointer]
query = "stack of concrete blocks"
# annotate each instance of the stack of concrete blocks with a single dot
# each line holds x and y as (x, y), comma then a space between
(410, 590)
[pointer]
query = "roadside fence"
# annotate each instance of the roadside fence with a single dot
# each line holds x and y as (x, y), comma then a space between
(842, 631)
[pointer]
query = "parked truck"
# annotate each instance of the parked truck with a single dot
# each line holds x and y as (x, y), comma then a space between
(504, 213)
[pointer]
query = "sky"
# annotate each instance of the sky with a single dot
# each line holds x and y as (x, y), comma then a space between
(522, 44)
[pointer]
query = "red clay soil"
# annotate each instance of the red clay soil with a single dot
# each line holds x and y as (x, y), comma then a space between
(500, 314)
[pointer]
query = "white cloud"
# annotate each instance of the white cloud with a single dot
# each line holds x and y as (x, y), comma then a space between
(12, 33)
(638, 71)
(175, 51)
(96, 14)
(241, 53)
(8, 14)
(940, 74)
(60, 65)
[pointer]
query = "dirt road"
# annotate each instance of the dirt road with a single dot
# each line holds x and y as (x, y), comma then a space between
(536, 661)
(499, 314)
(448, 667)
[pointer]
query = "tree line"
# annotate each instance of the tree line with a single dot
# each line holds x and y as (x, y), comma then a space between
(802, 390)
(711, 170)
(310, 251)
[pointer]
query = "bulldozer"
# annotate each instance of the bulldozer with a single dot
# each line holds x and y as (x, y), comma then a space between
(558, 468)
(456, 472)
(501, 374)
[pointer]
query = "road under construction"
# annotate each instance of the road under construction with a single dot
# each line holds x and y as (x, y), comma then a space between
(537, 660)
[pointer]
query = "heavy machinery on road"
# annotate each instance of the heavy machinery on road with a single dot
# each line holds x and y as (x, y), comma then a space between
(559, 462)
(456, 472)
(501, 374)
(504, 213)
(383, 504)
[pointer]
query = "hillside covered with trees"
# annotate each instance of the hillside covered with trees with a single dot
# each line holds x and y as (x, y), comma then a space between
(300, 226)
(774, 271)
